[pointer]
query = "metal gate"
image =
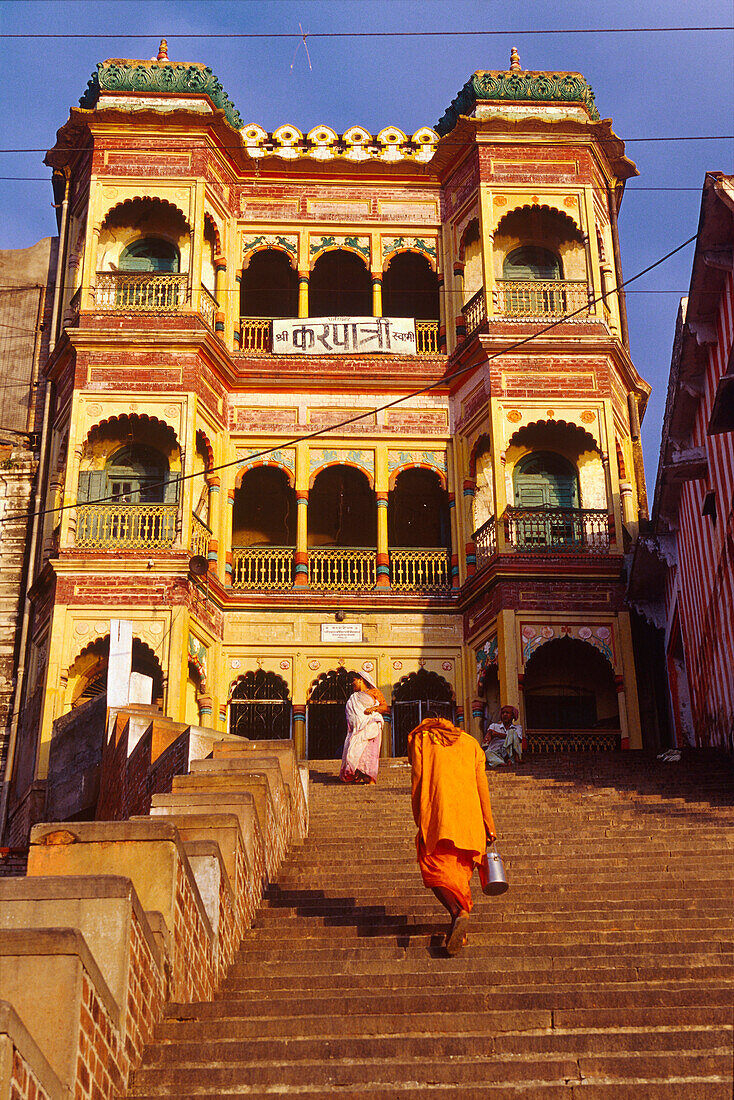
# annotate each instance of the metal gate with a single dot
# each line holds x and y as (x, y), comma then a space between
(326, 721)
(260, 709)
(409, 713)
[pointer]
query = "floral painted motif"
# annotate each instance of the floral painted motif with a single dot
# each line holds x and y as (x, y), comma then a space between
(270, 240)
(535, 635)
(403, 460)
(390, 245)
(363, 460)
(360, 245)
(283, 458)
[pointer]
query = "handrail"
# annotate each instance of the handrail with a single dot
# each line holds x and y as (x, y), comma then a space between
(485, 541)
(421, 570)
(208, 306)
(344, 569)
(141, 293)
(533, 530)
(541, 298)
(475, 311)
(126, 526)
(262, 567)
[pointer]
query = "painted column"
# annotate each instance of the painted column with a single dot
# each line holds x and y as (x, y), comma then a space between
(459, 320)
(471, 546)
(220, 268)
(301, 556)
(228, 551)
(455, 581)
(486, 209)
(299, 729)
(212, 556)
(377, 294)
(441, 297)
(382, 496)
(237, 336)
(303, 293)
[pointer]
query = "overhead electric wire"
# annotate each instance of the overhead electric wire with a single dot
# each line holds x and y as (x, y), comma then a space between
(291, 35)
(317, 433)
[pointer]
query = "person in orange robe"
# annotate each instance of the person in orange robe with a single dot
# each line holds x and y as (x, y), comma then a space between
(452, 810)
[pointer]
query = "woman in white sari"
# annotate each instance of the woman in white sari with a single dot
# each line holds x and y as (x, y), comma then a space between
(365, 708)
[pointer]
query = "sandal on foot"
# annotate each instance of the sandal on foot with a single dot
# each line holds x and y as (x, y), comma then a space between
(456, 938)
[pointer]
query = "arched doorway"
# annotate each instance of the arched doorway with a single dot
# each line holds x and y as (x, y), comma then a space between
(546, 489)
(571, 701)
(326, 721)
(340, 286)
(88, 674)
(416, 697)
(153, 254)
(418, 511)
(260, 707)
(342, 509)
(410, 288)
(269, 286)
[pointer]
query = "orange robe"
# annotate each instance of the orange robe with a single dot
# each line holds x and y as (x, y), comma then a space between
(451, 805)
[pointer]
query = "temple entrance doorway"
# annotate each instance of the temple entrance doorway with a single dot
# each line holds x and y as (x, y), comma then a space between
(418, 696)
(326, 721)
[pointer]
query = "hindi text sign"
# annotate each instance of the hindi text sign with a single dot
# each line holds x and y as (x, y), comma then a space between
(344, 336)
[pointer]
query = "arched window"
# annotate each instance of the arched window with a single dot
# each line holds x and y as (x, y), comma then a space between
(410, 288)
(418, 511)
(150, 254)
(340, 286)
(342, 510)
(543, 479)
(531, 263)
(260, 708)
(93, 681)
(418, 696)
(137, 475)
(264, 512)
(269, 286)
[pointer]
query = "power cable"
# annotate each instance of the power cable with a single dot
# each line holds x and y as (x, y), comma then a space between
(291, 35)
(317, 433)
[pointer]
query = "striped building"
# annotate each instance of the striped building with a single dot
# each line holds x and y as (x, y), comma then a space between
(683, 572)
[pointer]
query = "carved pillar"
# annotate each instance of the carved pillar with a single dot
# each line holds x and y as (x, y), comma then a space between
(213, 520)
(455, 584)
(303, 293)
(228, 551)
(471, 546)
(301, 555)
(238, 322)
(220, 267)
(383, 553)
(377, 294)
(299, 729)
(622, 704)
(460, 321)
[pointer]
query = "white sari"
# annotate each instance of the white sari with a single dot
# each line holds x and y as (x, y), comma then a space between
(364, 737)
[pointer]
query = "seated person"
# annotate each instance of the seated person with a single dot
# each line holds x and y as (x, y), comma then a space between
(503, 740)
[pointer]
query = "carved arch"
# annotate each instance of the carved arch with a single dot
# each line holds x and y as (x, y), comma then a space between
(265, 461)
(146, 199)
(573, 226)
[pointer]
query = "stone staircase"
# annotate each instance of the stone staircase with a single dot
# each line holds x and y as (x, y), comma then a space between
(605, 971)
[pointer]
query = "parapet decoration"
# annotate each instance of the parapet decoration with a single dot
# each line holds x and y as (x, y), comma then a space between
(518, 87)
(159, 78)
(355, 144)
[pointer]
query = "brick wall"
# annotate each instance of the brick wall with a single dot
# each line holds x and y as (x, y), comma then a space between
(193, 956)
(145, 995)
(102, 1066)
(24, 1085)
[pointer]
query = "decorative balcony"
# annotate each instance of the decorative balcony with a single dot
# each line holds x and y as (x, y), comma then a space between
(126, 526)
(200, 535)
(262, 567)
(256, 336)
(540, 300)
(421, 571)
(141, 293)
(567, 530)
(475, 312)
(485, 541)
(208, 306)
(426, 338)
(342, 570)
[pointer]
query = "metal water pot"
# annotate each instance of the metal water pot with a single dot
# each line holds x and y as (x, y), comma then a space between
(492, 873)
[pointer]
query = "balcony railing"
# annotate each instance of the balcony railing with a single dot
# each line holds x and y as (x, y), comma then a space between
(573, 530)
(208, 306)
(475, 311)
(426, 337)
(421, 571)
(485, 541)
(342, 570)
(541, 299)
(200, 535)
(262, 567)
(256, 335)
(126, 526)
(140, 293)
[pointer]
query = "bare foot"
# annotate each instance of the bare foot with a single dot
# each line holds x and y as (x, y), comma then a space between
(456, 938)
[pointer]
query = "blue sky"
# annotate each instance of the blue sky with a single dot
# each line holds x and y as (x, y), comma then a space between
(652, 85)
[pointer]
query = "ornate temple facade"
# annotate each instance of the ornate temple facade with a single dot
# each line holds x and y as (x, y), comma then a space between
(327, 402)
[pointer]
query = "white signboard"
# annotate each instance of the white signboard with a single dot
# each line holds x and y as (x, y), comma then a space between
(344, 336)
(341, 632)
